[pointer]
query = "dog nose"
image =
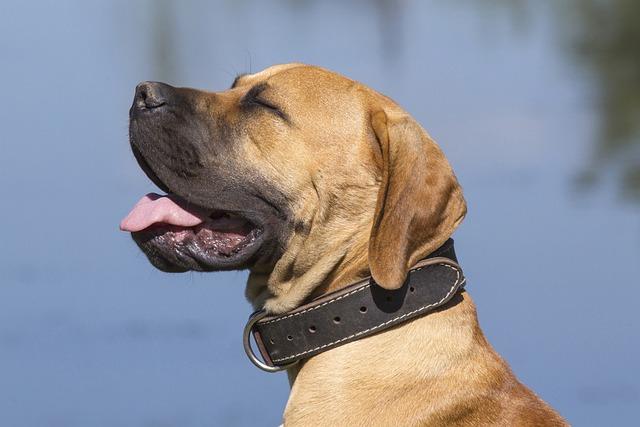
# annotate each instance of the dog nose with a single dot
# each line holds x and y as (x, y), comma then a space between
(151, 95)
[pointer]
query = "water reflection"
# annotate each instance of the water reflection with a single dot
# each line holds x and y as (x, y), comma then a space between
(605, 39)
(602, 40)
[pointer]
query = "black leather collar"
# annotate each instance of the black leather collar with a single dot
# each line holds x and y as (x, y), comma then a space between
(352, 313)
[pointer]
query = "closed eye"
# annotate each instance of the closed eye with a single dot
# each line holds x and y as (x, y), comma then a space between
(253, 98)
(265, 104)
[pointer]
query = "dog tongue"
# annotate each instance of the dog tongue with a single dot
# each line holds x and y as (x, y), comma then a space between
(154, 208)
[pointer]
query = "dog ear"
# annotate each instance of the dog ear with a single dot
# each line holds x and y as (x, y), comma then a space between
(419, 203)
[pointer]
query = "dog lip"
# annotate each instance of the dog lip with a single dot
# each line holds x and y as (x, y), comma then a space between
(187, 235)
(187, 252)
(173, 210)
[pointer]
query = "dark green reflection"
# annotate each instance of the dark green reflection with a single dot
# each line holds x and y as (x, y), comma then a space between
(605, 39)
(602, 38)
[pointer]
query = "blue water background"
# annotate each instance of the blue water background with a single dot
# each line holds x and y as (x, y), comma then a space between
(92, 335)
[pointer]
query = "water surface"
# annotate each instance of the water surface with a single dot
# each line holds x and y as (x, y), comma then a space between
(519, 95)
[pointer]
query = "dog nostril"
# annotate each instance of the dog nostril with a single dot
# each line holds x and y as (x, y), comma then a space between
(150, 95)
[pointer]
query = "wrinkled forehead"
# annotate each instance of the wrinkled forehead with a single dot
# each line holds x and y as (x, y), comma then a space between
(295, 77)
(246, 79)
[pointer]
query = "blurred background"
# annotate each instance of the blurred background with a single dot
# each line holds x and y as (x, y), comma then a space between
(536, 104)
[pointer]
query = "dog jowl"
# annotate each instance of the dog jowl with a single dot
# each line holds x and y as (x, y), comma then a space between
(217, 213)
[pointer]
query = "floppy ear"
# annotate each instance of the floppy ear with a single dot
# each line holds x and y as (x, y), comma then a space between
(419, 203)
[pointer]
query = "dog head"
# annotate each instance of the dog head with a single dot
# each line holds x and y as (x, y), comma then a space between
(301, 175)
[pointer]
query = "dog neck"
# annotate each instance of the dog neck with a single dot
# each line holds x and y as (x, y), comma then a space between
(374, 378)
(307, 273)
(356, 311)
(437, 369)
(425, 353)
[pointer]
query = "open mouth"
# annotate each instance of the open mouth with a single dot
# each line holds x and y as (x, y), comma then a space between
(196, 238)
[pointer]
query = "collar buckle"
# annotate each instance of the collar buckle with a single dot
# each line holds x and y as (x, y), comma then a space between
(263, 363)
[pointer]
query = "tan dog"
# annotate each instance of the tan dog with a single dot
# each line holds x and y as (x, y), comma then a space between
(313, 181)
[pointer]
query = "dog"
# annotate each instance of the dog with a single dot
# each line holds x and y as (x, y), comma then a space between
(313, 181)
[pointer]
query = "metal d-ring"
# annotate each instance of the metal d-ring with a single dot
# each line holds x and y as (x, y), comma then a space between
(246, 342)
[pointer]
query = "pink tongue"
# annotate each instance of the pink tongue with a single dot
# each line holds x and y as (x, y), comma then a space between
(154, 208)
